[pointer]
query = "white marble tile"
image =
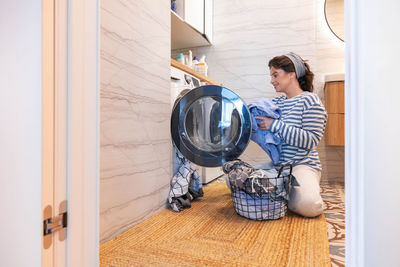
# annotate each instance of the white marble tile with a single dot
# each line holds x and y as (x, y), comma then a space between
(135, 152)
(115, 221)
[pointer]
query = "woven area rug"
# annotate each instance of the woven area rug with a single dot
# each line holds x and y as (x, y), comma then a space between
(212, 234)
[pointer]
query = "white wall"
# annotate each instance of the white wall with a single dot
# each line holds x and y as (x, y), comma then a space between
(372, 133)
(20, 133)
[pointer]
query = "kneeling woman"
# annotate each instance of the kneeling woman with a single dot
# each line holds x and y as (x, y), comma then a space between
(300, 127)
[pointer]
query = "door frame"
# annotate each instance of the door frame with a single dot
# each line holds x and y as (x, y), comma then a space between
(83, 133)
(83, 137)
(70, 127)
(48, 128)
(54, 125)
(354, 141)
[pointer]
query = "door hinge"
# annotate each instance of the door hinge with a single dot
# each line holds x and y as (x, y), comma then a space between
(54, 224)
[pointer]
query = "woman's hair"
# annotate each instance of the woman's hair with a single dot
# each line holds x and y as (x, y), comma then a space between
(283, 62)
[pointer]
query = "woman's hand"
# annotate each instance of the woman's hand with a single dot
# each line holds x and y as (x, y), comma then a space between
(264, 123)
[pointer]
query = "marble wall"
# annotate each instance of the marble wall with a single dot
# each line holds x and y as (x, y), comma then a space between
(135, 154)
(249, 33)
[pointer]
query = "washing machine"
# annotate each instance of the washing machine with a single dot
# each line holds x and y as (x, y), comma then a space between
(181, 82)
(210, 125)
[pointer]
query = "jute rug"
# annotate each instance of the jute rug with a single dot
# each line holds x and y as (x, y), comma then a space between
(212, 234)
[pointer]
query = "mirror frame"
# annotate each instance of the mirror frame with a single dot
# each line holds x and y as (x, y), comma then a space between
(327, 22)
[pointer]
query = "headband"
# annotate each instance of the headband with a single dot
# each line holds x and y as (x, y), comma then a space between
(298, 63)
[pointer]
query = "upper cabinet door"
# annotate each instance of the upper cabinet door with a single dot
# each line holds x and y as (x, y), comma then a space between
(194, 14)
(208, 19)
(191, 24)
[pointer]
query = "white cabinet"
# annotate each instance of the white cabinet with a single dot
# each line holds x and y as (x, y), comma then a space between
(208, 19)
(194, 14)
(192, 23)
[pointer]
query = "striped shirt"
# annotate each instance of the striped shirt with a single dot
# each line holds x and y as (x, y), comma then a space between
(300, 127)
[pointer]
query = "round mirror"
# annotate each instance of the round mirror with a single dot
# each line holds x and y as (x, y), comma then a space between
(334, 15)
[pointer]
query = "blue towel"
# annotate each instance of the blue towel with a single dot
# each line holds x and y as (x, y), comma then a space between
(268, 141)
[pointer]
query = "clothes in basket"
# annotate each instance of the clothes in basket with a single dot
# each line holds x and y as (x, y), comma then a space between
(258, 208)
(263, 195)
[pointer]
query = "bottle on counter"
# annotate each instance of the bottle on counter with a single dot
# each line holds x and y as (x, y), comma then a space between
(186, 60)
(190, 61)
(180, 58)
(194, 63)
(202, 66)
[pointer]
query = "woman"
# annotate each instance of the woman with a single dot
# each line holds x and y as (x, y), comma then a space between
(300, 128)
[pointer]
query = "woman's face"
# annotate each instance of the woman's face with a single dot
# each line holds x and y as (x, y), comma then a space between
(280, 79)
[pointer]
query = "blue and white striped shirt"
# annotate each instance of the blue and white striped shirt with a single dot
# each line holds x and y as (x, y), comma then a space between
(300, 128)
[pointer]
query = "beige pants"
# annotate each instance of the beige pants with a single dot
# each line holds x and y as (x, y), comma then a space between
(306, 199)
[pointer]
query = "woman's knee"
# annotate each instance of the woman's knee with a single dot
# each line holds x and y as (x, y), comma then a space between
(305, 199)
(307, 207)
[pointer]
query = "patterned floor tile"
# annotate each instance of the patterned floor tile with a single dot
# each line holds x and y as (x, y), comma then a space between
(333, 196)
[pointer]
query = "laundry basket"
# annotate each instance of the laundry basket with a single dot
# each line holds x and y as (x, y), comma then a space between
(263, 198)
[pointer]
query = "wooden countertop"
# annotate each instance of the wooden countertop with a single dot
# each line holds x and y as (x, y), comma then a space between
(185, 68)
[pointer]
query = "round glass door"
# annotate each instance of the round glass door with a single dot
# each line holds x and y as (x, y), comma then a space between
(210, 125)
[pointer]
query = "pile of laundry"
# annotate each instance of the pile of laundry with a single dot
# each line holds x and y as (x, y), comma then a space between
(258, 194)
(186, 184)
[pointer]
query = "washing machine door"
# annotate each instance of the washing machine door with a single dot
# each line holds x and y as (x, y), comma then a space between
(210, 125)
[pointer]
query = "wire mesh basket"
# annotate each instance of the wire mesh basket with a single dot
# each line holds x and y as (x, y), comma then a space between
(263, 198)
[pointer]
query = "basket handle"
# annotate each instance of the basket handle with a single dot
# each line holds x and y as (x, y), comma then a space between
(283, 166)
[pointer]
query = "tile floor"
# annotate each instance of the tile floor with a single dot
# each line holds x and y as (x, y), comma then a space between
(333, 196)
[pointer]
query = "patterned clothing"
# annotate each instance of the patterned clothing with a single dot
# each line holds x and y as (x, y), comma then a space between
(300, 127)
(238, 172)
(185, 185)
(257, 194)
(242, 176)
